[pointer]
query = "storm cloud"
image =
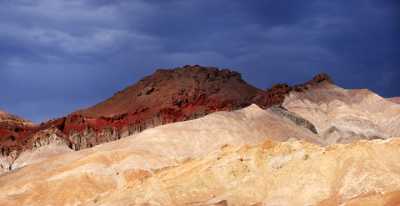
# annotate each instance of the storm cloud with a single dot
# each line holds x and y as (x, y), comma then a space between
(57, 56)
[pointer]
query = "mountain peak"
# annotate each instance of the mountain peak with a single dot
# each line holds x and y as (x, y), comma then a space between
(195, 72)
(181, 87)
(322, 77)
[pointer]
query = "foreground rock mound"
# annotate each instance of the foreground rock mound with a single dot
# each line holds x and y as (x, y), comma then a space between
(269, 173)
(289, 173)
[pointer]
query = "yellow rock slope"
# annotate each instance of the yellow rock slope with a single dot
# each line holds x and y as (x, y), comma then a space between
(288, 173)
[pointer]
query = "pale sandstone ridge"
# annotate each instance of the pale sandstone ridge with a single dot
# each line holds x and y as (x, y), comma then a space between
(9, 118)
(395, 99)
(288, 173)
(78, 177)
(269, 173)
(342, 115)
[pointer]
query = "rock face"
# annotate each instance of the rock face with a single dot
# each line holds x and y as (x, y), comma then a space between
(45, 144)
(12, 128)
(298, 120)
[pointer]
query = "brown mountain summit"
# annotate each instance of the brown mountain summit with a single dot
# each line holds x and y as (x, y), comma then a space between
(183, 92)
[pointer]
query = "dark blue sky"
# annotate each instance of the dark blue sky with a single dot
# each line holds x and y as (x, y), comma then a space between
(60, 55)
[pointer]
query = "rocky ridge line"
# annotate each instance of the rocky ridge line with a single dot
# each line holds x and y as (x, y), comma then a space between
(166, 96)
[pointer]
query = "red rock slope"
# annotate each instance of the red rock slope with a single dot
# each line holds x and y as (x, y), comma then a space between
(182, 93)
(11, 127)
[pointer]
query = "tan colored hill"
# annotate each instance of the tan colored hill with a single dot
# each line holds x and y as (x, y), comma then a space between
(343, 115)
(395, 99)
(96, 171)
(269, 173)
(289, 173)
